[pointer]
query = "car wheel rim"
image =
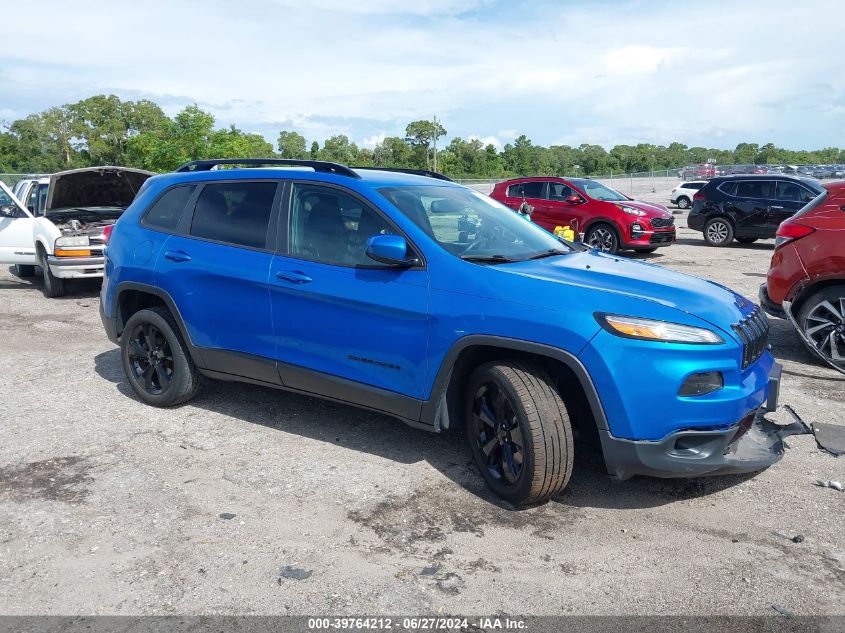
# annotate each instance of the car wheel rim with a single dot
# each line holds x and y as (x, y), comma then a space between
(498, 435)
(825, 327)
(602, 239)
(682, 204)
(717, 232)
(150, 359)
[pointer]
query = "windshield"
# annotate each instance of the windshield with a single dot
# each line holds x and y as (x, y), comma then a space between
(473, 226)
(598, 191)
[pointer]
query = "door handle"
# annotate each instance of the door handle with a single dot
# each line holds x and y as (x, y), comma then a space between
(293, 276)
(775, 207)
(177, 256)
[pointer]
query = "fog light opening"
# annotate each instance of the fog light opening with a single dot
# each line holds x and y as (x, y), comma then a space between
(702, 384)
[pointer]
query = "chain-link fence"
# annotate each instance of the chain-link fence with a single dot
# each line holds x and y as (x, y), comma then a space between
(12, 179)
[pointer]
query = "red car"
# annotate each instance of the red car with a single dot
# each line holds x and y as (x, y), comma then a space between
(806, 280)
(609, 220)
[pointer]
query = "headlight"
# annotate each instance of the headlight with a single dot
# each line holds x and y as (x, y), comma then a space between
(632, 210)
(72, 240)
(649, 330)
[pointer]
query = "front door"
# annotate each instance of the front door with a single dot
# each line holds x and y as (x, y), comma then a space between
(562, 212)
(217, 274)
(789, 198)
(340, 316)
(17, 232)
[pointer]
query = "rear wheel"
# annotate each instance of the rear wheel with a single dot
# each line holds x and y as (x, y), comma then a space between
(603, 237)
(718, 232)
(746, 240)
(53, 286)
(156, 360)
(23, 270)
(683, 202)
(822, 319)
(518, 432)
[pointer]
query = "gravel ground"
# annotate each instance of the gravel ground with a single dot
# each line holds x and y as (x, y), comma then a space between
(256, 501)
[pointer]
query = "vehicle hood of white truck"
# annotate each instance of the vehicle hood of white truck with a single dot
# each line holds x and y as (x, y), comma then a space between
(97, 191)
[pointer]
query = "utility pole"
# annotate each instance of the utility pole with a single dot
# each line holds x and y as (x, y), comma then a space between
(435, 143)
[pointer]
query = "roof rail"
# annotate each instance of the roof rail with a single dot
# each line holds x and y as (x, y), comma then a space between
(317, 165)
(416, 172)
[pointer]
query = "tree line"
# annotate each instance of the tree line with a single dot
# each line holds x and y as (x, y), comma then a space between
(105, 130)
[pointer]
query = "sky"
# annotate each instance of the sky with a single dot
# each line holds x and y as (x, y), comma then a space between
(708, 73)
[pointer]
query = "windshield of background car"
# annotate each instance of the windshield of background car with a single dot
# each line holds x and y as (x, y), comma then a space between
(471, 225)
(598, 191)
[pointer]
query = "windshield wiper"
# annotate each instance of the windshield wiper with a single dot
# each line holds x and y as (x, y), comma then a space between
(549, 253)
(490, 259)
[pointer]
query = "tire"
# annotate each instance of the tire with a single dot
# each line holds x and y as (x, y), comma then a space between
(822, 320)
(168, 377)
(718, 231)
(683, 202)
(603, 237)
(746, 240)
(24, 270)
(513, 410)
(53, 286)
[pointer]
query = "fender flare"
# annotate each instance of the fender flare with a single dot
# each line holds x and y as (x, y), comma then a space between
(432, 411)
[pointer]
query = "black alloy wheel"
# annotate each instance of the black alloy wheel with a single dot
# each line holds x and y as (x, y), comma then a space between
(150, 358)
(497, 433)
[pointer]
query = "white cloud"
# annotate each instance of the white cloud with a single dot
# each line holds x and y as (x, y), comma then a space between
(371, 141)
(487, 140)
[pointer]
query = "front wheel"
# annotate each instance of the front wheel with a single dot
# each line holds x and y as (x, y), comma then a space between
(822, 319)
(718, 232)
(603, 237)
(156, 360)
(53, 286)
(683, 202)
(518, 432)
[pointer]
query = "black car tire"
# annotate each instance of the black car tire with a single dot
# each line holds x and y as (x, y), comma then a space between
(53, 286)
(23, 270)
(718, 231)
(683, 202)
(529, 422)
(814, 312)
(605, 237)
(746, 240)
(156, 360)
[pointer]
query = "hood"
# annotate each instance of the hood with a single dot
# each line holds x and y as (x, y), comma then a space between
(94, 187)
(652, 210)
(607, 274)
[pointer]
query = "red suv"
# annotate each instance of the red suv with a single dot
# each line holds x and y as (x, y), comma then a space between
(806, 280)
(609, 220)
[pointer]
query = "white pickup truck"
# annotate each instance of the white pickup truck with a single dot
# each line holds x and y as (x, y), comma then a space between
(65, 237)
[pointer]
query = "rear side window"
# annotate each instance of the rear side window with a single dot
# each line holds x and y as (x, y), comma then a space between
(165, 212)
(754, 189)
(526, 190)
(728, 187)
(234, 212)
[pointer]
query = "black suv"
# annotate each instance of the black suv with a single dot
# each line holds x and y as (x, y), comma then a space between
(748, 208)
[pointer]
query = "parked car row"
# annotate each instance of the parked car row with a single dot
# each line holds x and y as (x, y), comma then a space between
(706, 171)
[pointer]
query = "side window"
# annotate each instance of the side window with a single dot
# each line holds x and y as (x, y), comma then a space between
(42, 198)
(234, 212)
(754, 189)
(728, 187)
(330, 226)
(695, 186)
(793, 192)
(165, 212)
(559, 191)
(9, 208)
(526, 190)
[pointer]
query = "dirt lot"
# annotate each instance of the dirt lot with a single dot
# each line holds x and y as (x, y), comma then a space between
(111, 506)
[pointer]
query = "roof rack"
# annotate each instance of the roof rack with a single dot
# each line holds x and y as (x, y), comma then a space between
(317, 165)
(416, 172)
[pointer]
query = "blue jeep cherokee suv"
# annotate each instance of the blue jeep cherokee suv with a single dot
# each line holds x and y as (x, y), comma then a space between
(410, 295)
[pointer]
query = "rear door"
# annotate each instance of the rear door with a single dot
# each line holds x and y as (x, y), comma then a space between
(752, 201)
(17, 230)
(217, 268)
(533, 192)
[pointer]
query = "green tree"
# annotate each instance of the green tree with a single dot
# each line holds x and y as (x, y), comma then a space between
(315, 150)
(187, 137)
(339, 149)
(292, 145)
(421, 136)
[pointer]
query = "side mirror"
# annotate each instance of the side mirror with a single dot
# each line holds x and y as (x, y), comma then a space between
(574, 199)
(389, 249)
(8, 211)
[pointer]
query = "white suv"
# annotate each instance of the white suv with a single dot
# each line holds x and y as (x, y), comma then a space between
(63, 233)
(683, 193)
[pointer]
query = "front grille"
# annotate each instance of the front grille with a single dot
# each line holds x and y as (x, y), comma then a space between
(754, 333)
(660, 223)
(666, 237)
